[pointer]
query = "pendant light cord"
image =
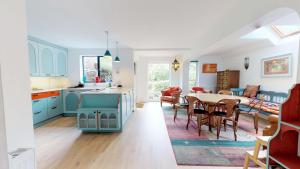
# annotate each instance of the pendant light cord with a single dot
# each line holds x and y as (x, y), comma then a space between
(117, 50)
(106, 40)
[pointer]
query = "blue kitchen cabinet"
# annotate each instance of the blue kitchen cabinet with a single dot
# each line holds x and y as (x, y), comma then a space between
(54, 106)
(33, 58)
(39, 109)
(61, 59)
(108, 119)
(71, 101)
(46, 60)
(87, 120)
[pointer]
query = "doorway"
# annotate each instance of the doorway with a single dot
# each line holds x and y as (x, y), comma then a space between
(158, 79)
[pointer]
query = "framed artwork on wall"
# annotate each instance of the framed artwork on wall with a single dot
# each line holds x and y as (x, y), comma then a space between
(277, 66)
(209, 68)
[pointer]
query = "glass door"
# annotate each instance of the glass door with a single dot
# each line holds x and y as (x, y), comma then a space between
(158, 79)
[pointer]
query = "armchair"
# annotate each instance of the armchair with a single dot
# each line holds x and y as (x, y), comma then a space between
(170, 95)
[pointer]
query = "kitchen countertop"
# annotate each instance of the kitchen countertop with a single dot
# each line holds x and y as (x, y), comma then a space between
(120, 90)
(93, 88)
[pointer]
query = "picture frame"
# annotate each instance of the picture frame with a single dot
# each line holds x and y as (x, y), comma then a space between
(277, 66)
(209, 68)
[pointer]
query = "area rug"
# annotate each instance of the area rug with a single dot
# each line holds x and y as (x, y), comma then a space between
(205, 150)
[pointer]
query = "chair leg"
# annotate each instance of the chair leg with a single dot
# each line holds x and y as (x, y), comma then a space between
(256, 122)
(247, 160)
(225, 124)
(160, 103)
(175, 114)
(219, 123)
(188, 122)
(234, 129)
(199, 122)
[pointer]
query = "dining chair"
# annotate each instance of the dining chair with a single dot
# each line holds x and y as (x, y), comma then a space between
(253, 109)
(225, 92)
(199, 109)
(181, 105)
(224, 111)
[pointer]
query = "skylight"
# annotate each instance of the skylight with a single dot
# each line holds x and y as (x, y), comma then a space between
(286, 30)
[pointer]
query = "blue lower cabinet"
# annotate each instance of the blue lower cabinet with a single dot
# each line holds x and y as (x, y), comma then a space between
(39, 109)
(87, 120)
(108, 120)
(53, 106)
(46, 108)
(100, 120)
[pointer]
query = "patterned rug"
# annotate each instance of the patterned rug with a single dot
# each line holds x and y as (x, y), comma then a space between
(205, 150)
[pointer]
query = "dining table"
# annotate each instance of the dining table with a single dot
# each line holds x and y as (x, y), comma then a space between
(211, 99)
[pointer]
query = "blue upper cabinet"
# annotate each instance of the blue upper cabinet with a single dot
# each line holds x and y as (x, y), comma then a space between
(61, 57)
(46, 60)
(33, 58)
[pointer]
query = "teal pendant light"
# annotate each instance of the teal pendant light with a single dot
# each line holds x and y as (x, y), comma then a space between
(117, 59)
(107, 53)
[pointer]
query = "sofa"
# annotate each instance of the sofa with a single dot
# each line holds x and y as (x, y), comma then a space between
(270, 104)
(170, 95)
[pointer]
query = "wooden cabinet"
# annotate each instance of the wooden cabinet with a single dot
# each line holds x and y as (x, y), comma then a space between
(228, 79)
(46, 59)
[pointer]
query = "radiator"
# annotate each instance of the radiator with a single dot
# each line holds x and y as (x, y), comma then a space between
(22, 158)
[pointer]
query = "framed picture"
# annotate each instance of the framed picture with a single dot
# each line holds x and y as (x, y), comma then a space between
(277, 66)
(209, 68)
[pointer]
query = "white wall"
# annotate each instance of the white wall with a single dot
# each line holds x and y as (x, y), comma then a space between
(253, 74)
(142, 74)
(125, 67)
(15, 75)
(209, 80)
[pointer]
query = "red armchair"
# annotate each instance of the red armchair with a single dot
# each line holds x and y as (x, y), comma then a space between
(170, 95)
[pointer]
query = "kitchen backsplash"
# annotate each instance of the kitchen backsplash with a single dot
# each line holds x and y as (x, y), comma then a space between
(49, 82)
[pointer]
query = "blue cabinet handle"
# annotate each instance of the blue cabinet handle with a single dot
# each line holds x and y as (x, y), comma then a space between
(38, 112)
(54, 107)
(35, 101)
(53, 97)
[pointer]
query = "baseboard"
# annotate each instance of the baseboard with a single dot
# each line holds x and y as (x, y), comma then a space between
(70, 114)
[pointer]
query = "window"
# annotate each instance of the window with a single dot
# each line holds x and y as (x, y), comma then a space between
(286, 30)
(97, 66)
(193, 74)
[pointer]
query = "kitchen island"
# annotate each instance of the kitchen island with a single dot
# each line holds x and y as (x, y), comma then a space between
(105, 110)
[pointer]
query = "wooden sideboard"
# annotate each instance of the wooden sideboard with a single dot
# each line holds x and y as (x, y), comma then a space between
(228, 79)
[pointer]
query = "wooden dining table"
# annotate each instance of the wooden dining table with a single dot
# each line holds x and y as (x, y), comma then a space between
(212, 99)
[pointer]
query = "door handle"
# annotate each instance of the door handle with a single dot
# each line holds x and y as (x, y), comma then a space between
(37, 112)
(54, 107)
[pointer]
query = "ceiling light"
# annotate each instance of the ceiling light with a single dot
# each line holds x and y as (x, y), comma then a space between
(107, 53)
(117, 59)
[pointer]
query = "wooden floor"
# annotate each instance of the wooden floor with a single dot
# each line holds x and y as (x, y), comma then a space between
(144, 144)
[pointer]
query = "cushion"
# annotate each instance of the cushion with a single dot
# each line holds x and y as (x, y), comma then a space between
(266, 106)
(198, 89)
(167, 98)
(251, 91)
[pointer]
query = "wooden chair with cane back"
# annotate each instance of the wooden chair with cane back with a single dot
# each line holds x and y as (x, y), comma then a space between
(198, 109)
(224, 111)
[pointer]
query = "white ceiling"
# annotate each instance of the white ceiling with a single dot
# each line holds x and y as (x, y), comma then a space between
(142, 24)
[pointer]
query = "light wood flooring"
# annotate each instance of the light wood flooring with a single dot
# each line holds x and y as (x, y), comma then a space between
(143, 144)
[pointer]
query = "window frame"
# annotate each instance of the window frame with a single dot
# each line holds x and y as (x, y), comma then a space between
(283, 35)
(197, 73)
(98, 67)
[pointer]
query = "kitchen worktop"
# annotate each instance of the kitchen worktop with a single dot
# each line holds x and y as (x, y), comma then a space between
(94, 89)
(116, 90)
